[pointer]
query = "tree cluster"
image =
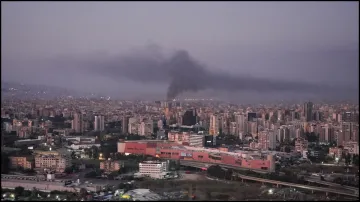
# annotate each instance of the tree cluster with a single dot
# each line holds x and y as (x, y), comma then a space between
(218, 172)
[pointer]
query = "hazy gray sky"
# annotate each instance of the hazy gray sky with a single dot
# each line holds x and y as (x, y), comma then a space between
(309, 41)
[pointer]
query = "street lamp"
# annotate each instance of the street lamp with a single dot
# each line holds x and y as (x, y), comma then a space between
(271, 191)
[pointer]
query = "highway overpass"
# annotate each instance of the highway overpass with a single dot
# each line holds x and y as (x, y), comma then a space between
(335, 185)
(301, 186)
(353, 192)
(197, 164)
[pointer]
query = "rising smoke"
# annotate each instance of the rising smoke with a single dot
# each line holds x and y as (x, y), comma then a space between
(182, 73)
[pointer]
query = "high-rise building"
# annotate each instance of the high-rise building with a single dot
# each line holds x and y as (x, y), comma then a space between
(160, 124)
(308, 108)
(99, 123)
(240, 120)
(252, 128)
(329, 133)
(252, 116)
(317, 116)
(133, 126)
(214, 125)
(77, 123)
(347, 130)
(350, 117)
(189, 118)
(146, 128)
(355, 132)
(280, 115)
(267, 140)
(233, 128)
(125, 124)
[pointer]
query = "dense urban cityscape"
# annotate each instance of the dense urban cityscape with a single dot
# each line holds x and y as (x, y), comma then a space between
(180, 101)
(93, 145)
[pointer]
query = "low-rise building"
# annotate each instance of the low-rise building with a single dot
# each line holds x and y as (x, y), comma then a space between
(110, 166)
(28, 142)
(82, 146)
(26, 162)
(335, 152)
(52, 160)
(187, 138)
(153, 169)
(301, 144)
(351, 147)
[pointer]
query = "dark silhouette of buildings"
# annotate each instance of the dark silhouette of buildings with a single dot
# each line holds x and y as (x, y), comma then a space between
(252, 116)
(189, 118)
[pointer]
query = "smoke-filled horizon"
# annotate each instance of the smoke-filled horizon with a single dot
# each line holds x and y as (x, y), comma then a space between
(183, 73)
(254, 51)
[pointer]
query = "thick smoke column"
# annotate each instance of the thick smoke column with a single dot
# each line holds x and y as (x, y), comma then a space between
(184, 74)
(188, 75)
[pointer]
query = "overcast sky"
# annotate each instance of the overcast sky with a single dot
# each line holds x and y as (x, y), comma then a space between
(305, 41)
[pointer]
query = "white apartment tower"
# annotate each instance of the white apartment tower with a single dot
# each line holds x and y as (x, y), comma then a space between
(240, 120)
(133, 126)
(99, 123)
(77, 123)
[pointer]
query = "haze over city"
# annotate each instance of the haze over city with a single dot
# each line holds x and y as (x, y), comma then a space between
(180, 101)
(232, 50)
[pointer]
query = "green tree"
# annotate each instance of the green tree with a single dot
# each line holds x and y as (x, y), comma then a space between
(347, 159)
(355, 159)
(83, 192)
(95, 152)
(68, 170)
(34, 193)
(19, 191)
(329, 159)
(73, 155)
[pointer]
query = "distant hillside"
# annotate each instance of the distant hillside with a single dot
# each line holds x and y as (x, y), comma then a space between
(19, 90)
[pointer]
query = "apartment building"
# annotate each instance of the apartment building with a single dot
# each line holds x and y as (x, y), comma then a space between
(110, 166)
(22, 161)
(153, 169)
(301, 145)
(351, 147)
(335, 152)
(267, 140)
(186, 138)
(54, 161)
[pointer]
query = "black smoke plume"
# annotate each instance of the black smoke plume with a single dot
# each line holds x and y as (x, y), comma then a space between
(183, 73)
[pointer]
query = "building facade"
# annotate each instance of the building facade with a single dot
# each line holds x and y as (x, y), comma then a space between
(153, 169)
(171, 150)
(110, 166)
(99, 123)
(21, 161)
(54, 161)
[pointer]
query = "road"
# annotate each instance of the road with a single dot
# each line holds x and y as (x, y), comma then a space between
(316, 180)
(81, 175)
(197, 164)
(328, 190)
